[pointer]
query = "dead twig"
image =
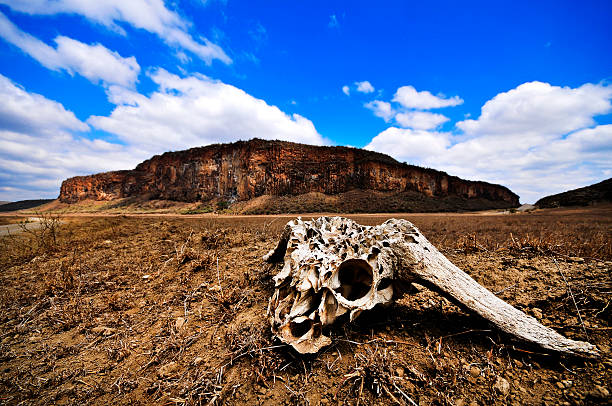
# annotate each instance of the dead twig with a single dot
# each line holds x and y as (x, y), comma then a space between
(569, 290)
(404, 395)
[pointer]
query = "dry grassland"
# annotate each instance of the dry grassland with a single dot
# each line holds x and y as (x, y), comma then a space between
(171, 310)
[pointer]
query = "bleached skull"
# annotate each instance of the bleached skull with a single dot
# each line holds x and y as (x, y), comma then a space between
(332, 266)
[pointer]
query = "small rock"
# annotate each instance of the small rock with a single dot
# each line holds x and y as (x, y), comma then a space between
(399, 371)
(108, 242)
(577, 260)
(502, 386)
(167, 370)
(475, 371)
(560, 385)
(147, 276)
(102, 330)
(179, 323)
(459, 402)
(537, 313)
(518, 364)
(198, 360)
(567, 383)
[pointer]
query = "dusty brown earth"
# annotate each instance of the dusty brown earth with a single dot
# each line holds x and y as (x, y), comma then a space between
(171, 310)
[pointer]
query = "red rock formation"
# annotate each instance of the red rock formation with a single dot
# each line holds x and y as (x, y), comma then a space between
(244, 170)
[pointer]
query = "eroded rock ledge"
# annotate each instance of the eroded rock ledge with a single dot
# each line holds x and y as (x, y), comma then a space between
(247, 169)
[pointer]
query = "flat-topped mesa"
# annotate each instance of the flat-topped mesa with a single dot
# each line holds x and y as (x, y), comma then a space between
(247, 169)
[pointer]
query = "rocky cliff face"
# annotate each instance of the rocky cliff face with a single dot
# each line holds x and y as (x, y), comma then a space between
(245, 170)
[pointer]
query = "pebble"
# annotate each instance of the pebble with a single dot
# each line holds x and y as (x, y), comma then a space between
(179, 323)
(167, 369)
(537, 313)
(475, 371)
(198, 360)
(399, 371)
(578, 260)
(502, 386)
(101, 330)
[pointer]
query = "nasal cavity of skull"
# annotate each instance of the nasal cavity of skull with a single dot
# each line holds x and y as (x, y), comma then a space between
(355, 277)
(299, 328)
(307, 303)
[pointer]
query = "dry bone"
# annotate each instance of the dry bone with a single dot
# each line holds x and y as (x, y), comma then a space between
(334, 266)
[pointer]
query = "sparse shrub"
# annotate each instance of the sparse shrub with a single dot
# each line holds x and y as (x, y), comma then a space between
(45, 236)
(202, 209)
(222, 205)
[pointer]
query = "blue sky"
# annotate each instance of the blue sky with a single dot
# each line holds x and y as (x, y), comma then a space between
(517, 93)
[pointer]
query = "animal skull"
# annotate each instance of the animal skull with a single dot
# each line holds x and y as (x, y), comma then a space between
(334, 266)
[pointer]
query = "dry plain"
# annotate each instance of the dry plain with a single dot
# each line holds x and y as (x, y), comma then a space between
(171, 310)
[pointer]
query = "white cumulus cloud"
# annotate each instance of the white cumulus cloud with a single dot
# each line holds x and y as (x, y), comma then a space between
(41, 144)
(407, 108)
(537, 139)
(150, 15)
(420, 120)
(94, 62)
(540, 108)
(364, 87)
(410, 98)
(381, 109)
(346, 90)
(196, 110)
(24, 112)
(409, 145)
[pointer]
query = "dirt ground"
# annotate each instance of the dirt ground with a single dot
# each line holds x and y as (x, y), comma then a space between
(171, 310)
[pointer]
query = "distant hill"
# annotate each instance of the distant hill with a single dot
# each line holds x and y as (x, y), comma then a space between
(599, 192)
(341, 179)
(23, 204)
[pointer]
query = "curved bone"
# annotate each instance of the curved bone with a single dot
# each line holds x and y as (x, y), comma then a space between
(334, 266)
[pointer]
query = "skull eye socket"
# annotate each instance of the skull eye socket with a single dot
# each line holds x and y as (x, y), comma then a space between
(356, 277)
(299, 328)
